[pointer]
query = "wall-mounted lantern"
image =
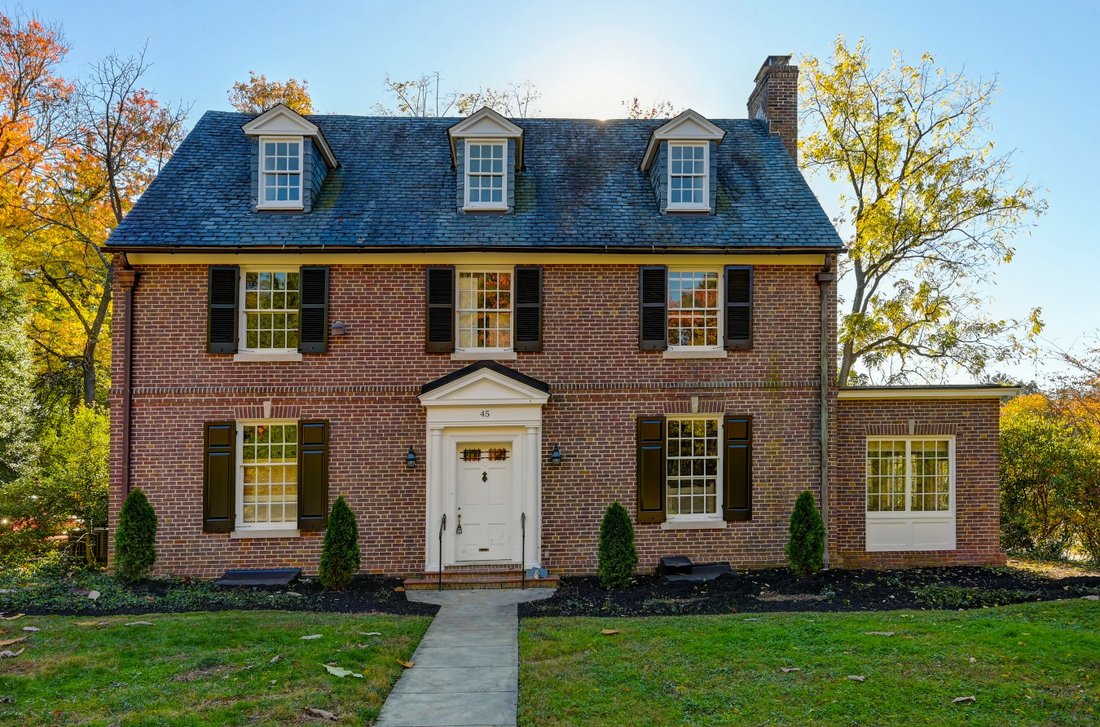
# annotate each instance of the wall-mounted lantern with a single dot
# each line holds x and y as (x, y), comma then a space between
(410, 458)
(337, 329)
(555, 456)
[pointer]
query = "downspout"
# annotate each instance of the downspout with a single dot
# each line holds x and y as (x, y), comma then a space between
(824, 278)
(126, 278)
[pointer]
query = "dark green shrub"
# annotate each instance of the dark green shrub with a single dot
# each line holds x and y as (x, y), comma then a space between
(135, 540)
(806, 546)
(618, 559)
(340, 555)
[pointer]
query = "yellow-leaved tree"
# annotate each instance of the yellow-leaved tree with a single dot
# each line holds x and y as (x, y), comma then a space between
(258, 94)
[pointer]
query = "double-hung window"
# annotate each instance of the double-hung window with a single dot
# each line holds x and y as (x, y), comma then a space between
(486, 175)
(269, 310)
(267, 475)
(910, 493)
(280, 172)
(484, 309)
(692, 467)
(688, 176)
(694, 307)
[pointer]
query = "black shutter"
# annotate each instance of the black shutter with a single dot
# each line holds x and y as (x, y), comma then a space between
(738, 307)
(654, 308)
(651, 469)
(223, 292)
(737, 469)
(313, 309)
(219, 477)
(528, 309)
(312, 475)
(441, 310)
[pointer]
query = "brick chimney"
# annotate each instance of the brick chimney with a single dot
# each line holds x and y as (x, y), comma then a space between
(775, 100)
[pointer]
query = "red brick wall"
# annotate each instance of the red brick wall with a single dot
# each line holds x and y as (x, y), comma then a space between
(975, 424)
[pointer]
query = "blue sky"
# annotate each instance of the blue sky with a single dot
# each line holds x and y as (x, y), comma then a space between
(586, 57)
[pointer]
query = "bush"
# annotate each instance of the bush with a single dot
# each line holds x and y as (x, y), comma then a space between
(618, 559)
(136, 538)
(806, 546)
(340, 555)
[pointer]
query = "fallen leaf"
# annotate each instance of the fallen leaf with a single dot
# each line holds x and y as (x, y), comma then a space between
(406, 664)
(339, 671)
(275, 658)
(93, 595)
(973, 660)
(789, 669)
(9, 642)
(91, 623)
(609, 632)
(12, 618)
(854, 678)
(960, 700)
(370, 633)
(361, 646)
(322, 713)
(31, 629)
(879, 633)
(11, 654)
(311, 636)
(139, 623)
(400, 589)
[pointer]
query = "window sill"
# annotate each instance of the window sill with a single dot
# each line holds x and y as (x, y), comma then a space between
(279, 208)
(484, 356)
(688, 354)
(693, 525)
(274, 533)
(247, 356)
(690, 210)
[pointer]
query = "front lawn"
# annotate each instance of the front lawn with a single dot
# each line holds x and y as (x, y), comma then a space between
(224, 668)
(1024, 664)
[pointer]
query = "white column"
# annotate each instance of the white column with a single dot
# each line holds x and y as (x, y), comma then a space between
(531, 496)
(434, 497)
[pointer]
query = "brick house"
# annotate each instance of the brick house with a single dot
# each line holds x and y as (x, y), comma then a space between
(483, 331)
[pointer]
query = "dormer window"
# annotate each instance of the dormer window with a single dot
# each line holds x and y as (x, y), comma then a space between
(281, 172)
(486, 176)
(687, 176)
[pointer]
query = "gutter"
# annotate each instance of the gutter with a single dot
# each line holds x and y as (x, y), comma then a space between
(126, 277)
(824, 278)
(362, 250)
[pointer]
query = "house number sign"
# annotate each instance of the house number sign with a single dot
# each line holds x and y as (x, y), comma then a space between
(485, 413)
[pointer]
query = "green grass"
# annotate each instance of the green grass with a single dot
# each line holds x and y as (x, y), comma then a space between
(1033, 663)
(201, 668)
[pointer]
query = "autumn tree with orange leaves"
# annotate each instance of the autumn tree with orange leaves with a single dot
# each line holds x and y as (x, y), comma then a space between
(258, 94)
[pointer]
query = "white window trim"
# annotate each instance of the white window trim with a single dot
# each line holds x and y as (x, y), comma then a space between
(466, 203)
(697, 521)
(255, 530)
(688, 206)
(907, 513)
(475, 353)
(276, 204)
(244, 353)
(677, 351)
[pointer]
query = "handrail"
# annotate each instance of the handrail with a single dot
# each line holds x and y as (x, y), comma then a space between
(442, 527)
(523, 550)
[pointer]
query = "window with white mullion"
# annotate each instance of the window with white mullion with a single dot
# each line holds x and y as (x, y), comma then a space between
(909, 475)
(484, 310)
(694, 307)
(486, 177)
(267, 477)
(688, 176)
(280, 172)
(692, 466)
(270, 310)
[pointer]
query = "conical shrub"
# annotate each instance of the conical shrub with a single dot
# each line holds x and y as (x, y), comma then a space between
(806, 546)
(618, 558)
(340, 554)
(136, 537)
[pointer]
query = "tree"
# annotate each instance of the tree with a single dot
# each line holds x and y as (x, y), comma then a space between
(16, 397)
(617, 556)
(421, 97)
(806, 542)
(655, 110)
(259, 94)
(136, 537)
(932, 205)
(340, 552)
(515, 101)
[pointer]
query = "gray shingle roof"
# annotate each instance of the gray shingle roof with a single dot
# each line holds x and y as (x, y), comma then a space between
(395, 188)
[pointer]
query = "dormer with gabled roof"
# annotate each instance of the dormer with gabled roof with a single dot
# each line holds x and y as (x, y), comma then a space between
(680, 161)
(290, 160)
(486, 152)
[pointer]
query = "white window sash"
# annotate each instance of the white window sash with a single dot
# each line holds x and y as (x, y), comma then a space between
(459, 310)
(909, 513)
(705, 204)
(261, 203)
(239, 523)
(719, 346)
(719, 476)
(503, 203)
(242, 324)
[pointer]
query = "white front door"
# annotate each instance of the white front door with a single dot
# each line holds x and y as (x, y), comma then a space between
(484, 501)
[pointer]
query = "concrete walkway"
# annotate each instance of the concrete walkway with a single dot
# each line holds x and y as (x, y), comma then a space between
(467, 665)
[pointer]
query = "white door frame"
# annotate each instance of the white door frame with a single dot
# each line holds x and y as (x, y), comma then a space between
(485, 405)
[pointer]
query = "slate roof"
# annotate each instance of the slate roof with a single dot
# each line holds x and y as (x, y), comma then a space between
(395, 189)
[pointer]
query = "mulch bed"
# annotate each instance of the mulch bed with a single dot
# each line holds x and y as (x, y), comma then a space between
(776, 589)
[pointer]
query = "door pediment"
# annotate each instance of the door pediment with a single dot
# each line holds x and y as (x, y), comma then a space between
(483, 384)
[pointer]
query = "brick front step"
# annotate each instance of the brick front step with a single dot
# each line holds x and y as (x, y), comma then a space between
(480, 578)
